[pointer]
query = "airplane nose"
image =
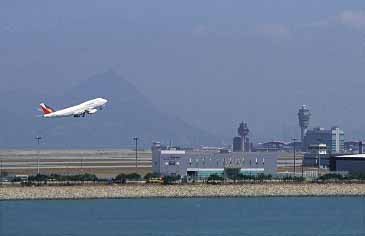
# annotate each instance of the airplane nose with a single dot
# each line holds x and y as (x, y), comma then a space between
(105, 100)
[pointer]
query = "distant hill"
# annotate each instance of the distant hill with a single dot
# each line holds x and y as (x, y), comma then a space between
(127, 114)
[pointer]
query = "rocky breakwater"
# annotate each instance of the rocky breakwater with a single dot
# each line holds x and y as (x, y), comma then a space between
(180, 191)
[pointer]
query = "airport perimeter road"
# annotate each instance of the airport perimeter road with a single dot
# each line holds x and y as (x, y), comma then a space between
(104, 163)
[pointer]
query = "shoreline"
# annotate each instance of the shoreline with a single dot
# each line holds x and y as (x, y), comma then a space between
(182, 191)
(199, 197)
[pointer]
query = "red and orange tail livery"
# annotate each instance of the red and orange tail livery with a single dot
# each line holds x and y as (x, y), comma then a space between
(46, 109)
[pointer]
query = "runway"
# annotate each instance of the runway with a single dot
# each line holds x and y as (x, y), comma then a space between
(104, 163)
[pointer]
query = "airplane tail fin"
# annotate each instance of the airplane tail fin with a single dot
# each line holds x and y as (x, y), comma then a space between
(46, 109)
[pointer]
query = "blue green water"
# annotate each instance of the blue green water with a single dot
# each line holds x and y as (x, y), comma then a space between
(137, 217)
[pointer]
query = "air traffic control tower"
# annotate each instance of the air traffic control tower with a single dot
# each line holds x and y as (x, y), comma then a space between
(243, 132)
(304, 117)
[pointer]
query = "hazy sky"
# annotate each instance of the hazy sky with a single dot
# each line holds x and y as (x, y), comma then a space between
(212, 63)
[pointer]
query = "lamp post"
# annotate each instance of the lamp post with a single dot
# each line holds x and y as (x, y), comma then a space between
(302, 162)
(82, 165)
(319, 156)
(136, 140)
(294, 140)
(38, 138)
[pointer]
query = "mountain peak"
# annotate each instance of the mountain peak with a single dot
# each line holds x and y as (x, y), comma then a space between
(108, 84)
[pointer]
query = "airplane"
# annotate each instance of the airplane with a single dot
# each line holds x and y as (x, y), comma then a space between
(88, 107)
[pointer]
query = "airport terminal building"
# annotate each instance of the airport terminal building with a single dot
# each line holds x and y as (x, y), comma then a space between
(353, 164)
(333, 138)
(203, 163)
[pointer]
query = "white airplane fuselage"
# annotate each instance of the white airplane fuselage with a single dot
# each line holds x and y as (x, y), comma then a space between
(88, 107)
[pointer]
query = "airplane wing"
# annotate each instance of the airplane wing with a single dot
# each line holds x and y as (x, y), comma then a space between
(83, 112)
(91, 111)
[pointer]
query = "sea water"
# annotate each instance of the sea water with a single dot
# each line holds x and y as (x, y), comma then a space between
(199, 216)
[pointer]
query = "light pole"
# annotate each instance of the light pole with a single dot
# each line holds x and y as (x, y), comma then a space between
(294, 140)
(136, 140)
(38, 138)
(82, 165)
(319, 155)
(302, 162)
